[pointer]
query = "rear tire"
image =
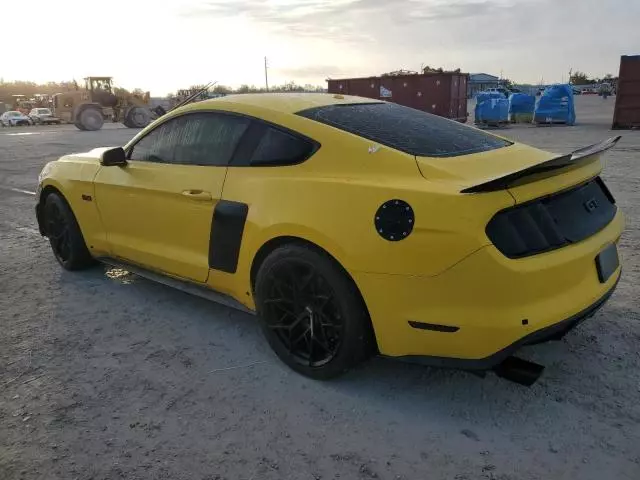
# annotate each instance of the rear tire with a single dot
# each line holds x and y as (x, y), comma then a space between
(90, 119)
(64, 234)
(311, 313)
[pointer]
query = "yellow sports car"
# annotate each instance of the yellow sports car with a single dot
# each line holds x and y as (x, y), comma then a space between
(351, 226)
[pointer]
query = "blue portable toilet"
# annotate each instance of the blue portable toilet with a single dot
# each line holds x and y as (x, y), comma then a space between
(556, 105)
(491, 108)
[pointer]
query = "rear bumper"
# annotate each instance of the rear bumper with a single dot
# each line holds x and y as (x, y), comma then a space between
(553, 332)
(487, 305)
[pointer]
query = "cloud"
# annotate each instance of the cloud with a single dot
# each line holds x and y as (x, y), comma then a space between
(314, 71)
(525, 38)
(309, 40)
(356, 21)
(319, 12)
(459, 10)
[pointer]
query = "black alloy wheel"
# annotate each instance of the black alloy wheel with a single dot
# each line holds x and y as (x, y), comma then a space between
(64, 234)
(311, 312)
(57, 228)
(301, 309)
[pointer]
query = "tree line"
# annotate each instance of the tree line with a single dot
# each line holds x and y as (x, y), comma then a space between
(285, 87)
(245, 88)
(581, 78)
(30, 89)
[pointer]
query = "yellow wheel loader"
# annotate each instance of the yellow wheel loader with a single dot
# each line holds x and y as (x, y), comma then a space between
(88, 108)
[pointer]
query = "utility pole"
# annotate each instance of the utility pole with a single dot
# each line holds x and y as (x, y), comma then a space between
(266, 76)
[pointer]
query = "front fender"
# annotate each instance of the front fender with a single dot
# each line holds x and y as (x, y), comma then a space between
(72, 176)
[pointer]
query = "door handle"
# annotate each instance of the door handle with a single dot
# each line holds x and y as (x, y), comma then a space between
(197, 195)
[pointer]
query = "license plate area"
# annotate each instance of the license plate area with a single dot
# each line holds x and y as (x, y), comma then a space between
(607, 262)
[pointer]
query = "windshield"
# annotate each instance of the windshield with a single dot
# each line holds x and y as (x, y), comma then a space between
(14, 114)
(44, 111)
(406, 129)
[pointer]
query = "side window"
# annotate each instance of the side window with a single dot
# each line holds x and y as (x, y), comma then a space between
(158, 145)
(277, 147)
(208, 139)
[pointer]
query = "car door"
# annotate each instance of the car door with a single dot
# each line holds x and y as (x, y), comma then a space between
(157, 210)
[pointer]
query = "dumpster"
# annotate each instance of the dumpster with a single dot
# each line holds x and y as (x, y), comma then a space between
(443, 94)
(627, 109)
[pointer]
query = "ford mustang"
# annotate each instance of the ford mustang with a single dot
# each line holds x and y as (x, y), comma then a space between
(350, 226)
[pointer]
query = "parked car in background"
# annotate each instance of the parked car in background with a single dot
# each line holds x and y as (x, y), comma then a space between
(43, 116)
(500, 90)
(14, 119)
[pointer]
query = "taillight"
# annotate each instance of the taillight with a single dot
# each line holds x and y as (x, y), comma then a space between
(552, 222)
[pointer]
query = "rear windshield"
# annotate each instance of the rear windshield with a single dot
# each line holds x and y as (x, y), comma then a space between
(406, 129)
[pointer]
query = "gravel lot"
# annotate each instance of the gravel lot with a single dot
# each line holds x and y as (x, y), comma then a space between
(109, 376)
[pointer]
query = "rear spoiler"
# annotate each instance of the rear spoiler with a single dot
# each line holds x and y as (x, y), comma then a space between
(502, 183)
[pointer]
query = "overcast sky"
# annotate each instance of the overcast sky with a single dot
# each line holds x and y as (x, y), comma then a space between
(162, 47)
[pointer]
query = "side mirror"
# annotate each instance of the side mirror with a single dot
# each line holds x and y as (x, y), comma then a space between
(113, 157)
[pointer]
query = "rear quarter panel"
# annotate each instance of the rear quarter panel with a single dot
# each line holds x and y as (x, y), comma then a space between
(332, 198)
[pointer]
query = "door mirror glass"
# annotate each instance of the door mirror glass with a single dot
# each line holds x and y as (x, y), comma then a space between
(113, 156)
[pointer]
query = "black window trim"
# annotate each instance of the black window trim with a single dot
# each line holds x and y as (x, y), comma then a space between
(233, 161)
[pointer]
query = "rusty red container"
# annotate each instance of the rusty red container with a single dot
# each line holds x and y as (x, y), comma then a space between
(443, 94)
(627, 110)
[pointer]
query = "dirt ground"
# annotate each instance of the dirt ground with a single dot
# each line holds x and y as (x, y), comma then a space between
(109, 376)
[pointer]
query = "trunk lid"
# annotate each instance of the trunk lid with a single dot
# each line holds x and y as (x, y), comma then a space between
(525, 172)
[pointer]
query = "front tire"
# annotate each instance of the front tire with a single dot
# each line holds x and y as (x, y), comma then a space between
(311, 312)
(64, 234)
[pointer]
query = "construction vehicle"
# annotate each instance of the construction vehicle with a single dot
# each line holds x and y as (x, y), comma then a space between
(42, 100)
(88, 108)
(20, 103)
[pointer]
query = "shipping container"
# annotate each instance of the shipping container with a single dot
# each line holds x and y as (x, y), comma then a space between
(443, 94)
(627, 110)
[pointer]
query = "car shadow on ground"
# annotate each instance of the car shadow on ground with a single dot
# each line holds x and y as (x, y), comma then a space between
(162, 311)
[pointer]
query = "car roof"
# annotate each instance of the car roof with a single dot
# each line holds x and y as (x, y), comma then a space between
(279, 102)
